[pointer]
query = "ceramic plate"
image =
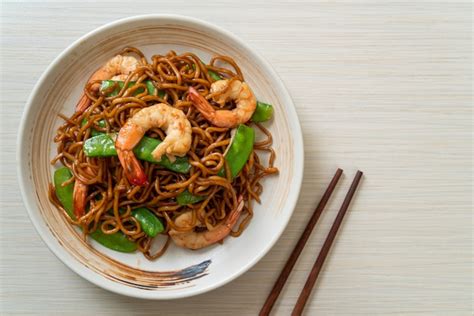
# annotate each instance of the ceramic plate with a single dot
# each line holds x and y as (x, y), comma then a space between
(180, 272)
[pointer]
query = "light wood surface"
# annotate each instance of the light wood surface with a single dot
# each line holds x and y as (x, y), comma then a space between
(385, 88)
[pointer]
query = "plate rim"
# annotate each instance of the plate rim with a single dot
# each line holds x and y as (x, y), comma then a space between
(72, 263)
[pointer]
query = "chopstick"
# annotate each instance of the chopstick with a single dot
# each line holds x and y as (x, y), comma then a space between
(313, 275)
(275, 292)
(306, 291)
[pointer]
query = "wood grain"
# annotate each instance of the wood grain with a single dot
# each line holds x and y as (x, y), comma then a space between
(318, 264)
(290, 263)
(385, 88)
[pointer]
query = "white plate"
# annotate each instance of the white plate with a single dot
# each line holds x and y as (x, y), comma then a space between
(180, 272)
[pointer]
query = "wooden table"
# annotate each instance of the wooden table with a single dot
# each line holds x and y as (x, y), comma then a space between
(385, 88)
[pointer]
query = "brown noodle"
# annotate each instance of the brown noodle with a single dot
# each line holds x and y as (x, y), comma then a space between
(111, 197)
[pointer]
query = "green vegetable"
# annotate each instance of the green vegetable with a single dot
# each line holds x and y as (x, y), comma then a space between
(146, 146)
(211, 73)
(214, 75)
(64, 194)
(100, 146)
(107, 86)
(263, 112)
(151, 87)
(236, 157)
(103, 146)
(149, 223)
(240, 150)
(117, 241)
(185, 198)
(95, 132)
(101, 124)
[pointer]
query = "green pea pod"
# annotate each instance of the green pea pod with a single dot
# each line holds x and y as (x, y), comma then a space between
(95, 132)
(108, 87)
(149, 223)
(236, 157)
(151, 89)
(100, 146)
(111, 88)
(214, 75)
(104, 146)
(239, 150)
(146, 146)
(185, 198)
(101, 124)
(117, 241)
(211, 73)
(64, 193)
(263, 112)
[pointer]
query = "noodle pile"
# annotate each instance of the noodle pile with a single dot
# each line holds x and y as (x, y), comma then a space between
(111, 197)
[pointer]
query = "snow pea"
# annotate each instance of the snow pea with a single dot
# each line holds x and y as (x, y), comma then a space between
(117, 241)
(64, 193)
(149, 223)
(100, 146)
(214, 75)
(185, 198)
(107, 87)
(236, 158)
(94, 132)
(211, 73)
(240, 150)
(104, 146)
(263, 112)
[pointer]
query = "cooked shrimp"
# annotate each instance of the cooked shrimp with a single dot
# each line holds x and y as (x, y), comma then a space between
(194, 240)
(118, 65)
(236, 90)
(117, 68)
(79, 197)
(176, 143)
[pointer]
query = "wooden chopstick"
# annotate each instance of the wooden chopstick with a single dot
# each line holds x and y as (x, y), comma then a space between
(306, 291)
(272, 297)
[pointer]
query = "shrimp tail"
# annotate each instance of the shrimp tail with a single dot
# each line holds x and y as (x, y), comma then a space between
(201, 104)
(79, 199)
(83, 103)
(235, 214)
(118, 65)
(194, 240)
(131, 167)
(224, 230)
(220, 118)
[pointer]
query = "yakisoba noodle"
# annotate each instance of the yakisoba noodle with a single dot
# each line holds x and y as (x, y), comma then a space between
(111, 198)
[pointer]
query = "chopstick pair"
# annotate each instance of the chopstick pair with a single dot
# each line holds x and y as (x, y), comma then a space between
(313, 275)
